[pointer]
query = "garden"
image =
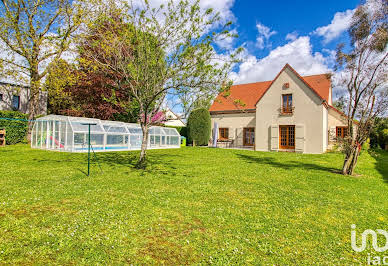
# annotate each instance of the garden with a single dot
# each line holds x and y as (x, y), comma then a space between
(191, 205)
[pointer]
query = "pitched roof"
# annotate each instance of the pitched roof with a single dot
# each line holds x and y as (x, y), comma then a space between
(246, 93)
(249, 94)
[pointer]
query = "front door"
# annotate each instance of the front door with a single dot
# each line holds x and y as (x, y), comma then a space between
(249, 136)
(287, 137)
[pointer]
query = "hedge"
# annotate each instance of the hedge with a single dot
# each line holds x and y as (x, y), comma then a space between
(16, 130)
(199, 126)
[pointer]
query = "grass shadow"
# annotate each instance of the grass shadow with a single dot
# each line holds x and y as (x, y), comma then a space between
(381, 158)
(155, 162)
(287, 165)
(82, 171)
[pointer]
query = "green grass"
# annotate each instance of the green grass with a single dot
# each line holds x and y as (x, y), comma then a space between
(192, 205)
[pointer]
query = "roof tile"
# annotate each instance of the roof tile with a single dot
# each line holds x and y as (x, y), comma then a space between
(249, 94)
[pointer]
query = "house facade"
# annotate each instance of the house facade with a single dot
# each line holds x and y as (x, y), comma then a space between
(173, 119)
(289, 113)
(15, 98)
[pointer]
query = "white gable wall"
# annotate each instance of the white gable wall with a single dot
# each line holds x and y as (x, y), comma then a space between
(308, 114)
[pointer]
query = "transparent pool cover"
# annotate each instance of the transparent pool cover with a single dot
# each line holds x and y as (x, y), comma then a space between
(66, 133)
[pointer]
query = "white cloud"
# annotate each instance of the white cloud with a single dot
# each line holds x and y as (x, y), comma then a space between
(264, 30)
(264, 33)
(338, 25)
(292, 36)
(227, 42)
(221, 6)
(260, 42)
(297, 53)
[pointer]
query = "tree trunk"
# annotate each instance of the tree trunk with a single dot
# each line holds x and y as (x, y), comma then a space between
(33, 103)
(353, 164)
(141, 164)
(350, 161)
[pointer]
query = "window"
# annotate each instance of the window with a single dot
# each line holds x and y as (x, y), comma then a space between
(287, 137)
(224, 133)
(341, 132)
(15, 102)
(249, 136)
(287, 104)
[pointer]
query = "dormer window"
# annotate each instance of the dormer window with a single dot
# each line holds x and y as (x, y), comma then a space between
(287, 107)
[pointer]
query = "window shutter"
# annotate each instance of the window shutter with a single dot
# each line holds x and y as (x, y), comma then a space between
(274, 137)
(239, 137)
(299, 138)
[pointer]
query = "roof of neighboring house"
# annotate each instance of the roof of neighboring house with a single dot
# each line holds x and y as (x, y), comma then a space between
(249, 94)
(173, 117)
(14, 85)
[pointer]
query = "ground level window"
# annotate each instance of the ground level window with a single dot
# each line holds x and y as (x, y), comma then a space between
(224, 133)
(249, 136)
(287, 137)
(341, 132)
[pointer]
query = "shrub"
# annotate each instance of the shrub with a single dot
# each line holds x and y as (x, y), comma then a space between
(199, 126)
(377, 133)
(16, 126)
(384, 137)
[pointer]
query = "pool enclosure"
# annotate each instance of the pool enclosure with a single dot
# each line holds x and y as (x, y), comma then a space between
(66, 133)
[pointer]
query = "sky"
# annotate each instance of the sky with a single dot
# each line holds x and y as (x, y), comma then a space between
(302, 33)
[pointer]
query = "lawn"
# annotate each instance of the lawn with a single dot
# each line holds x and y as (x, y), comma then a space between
(192, 205)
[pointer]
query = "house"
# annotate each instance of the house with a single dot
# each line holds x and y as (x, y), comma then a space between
(289, 113)
(16, 97)
(173, 119)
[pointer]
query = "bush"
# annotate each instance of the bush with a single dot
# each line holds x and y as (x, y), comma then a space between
(15, 125)
(377, 139)
(199, 126)
(384, 137)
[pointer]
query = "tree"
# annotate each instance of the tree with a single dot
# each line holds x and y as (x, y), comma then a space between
(377, 132)
(364, 75)
(87, 90)
(199, 126)
(340, 103)
(61, 76)
(191, 100)
(161, 51)
(33, 33)
(384, 137)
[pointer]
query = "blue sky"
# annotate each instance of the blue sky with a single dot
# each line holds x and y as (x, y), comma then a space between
(301, 33)
(284, 17)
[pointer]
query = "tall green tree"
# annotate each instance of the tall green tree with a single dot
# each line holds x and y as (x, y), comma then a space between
(365, 76)
(165, 50)
(34, 32)
(60, 78)
(199, 126)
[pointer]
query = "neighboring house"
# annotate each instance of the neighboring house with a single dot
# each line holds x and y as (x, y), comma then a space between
(172, 119)
(289, 113)
(16, 97)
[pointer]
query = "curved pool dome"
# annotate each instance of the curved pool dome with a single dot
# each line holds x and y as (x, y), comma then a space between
(66, 133)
